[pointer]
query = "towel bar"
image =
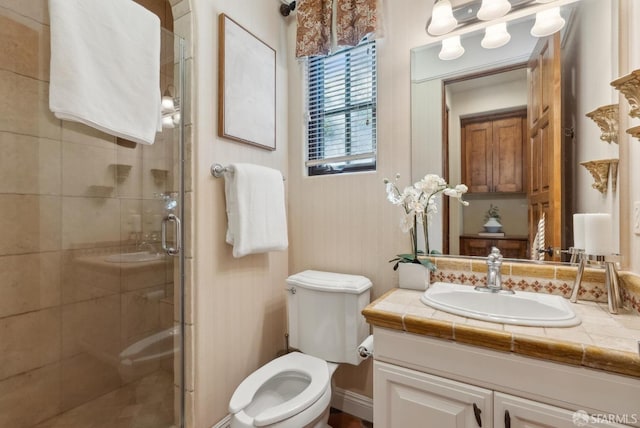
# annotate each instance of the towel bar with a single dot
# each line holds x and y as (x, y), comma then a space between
(218, 170)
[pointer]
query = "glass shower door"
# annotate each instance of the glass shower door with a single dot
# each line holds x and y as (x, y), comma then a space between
(90, 300)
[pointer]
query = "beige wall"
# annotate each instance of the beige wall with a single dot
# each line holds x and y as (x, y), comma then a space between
(344, 223)
(238, 318)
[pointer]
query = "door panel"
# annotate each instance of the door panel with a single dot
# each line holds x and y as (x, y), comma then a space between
(545, 142)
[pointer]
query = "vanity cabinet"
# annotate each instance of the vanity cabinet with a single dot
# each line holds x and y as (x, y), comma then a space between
(413, 398)
(513, 247)
(420, 381)
(492, 153)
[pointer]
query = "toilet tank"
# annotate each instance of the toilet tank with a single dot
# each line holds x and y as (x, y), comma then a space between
(325, 318)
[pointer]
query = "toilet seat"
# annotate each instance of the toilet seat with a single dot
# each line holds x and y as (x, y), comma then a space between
(312, 368)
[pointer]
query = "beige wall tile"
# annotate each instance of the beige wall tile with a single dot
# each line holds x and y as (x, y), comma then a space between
(92, 327)
(29, 282)
(129, 185)
(74, 132)
(24, 46)
(141, 314)
(85, 377)
(30, 397)
(80, 217)
(142, 276)
(29, 164)
(29, 341)
(29, 224)
(34, 9)
(83, 280)
(24, 107)
(84, 166)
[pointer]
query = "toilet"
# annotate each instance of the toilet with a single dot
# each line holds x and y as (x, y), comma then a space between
(327, 327)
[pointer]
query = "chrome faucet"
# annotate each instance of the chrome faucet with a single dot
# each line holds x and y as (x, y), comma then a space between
(494, 277)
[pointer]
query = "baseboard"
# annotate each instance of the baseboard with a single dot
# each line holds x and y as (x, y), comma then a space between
(355, 404)
(224, 423)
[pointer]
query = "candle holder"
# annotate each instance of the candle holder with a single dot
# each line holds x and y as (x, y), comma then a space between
(614, 297)
(574, 254)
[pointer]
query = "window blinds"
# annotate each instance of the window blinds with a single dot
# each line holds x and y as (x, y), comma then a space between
(341, 100)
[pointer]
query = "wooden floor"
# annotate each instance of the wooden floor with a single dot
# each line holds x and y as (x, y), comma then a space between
(337, 419)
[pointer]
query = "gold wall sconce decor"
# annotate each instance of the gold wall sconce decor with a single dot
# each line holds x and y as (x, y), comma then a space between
(634, 132)
(600, 170)
(629, 86)
(606, 117)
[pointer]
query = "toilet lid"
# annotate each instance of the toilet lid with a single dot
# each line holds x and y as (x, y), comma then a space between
(313, 368)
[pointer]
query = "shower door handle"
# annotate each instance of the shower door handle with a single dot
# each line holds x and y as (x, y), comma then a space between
(172, 251)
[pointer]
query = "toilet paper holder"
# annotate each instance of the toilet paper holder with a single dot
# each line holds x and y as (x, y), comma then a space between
(365, 349)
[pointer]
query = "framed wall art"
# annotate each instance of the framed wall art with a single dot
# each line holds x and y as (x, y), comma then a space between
(246, 86)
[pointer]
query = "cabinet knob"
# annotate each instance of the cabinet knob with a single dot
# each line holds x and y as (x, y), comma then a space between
(507, 419)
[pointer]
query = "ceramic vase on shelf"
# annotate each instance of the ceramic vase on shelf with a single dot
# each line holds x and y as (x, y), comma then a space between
(492, 225)
(413, 276)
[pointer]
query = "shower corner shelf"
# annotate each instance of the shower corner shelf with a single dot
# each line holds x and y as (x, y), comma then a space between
(600, 170)
(159, 175)
(606, 117)
(122, 170)
(629, 86)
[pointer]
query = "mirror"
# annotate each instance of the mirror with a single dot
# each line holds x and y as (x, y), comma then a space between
(492, 83)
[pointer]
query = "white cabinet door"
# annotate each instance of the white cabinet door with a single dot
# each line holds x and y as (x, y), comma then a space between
(410, 399)
(516, 412)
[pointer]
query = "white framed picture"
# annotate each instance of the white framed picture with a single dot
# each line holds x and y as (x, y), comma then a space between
(246, 86)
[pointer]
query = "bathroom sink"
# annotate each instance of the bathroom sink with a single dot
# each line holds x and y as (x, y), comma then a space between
(138, 257)
(521, 308)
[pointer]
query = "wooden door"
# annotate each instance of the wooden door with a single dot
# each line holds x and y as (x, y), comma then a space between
(544, 152)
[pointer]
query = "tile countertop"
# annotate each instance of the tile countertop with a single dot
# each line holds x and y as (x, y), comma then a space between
(602, 341)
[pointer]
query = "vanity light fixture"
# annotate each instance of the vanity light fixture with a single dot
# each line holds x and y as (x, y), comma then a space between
(442, 20)
(170, 109)
(495, 36)
(493, 9)
(168, 103)
(547, 22)
(451, 49)
(468, 15)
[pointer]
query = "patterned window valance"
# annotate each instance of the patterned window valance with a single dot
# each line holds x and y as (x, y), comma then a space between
(354, 20)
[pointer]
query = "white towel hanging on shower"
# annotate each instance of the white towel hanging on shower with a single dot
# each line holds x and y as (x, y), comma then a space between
(105, 66)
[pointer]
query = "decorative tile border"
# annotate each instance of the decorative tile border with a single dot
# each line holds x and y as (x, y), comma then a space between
(630, 286)
(551, 279)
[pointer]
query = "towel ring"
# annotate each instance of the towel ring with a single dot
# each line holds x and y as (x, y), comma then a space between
(218, 170)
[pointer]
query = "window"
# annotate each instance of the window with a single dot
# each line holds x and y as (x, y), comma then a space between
(341, 102)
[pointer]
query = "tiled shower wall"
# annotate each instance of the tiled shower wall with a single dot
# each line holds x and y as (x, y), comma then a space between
(69, 196)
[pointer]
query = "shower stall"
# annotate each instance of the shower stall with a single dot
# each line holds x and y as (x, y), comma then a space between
(91, 267)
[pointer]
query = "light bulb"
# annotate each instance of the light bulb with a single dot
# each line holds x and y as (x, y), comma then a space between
(442, 20)
(167, 104)
(493, 9)
(451, 49)
(495, 36)
(547, 22)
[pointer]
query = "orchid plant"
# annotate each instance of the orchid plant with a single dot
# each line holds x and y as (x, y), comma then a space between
(418, 203)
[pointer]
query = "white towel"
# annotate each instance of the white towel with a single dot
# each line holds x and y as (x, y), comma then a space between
(105, 66)
(256, 213)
